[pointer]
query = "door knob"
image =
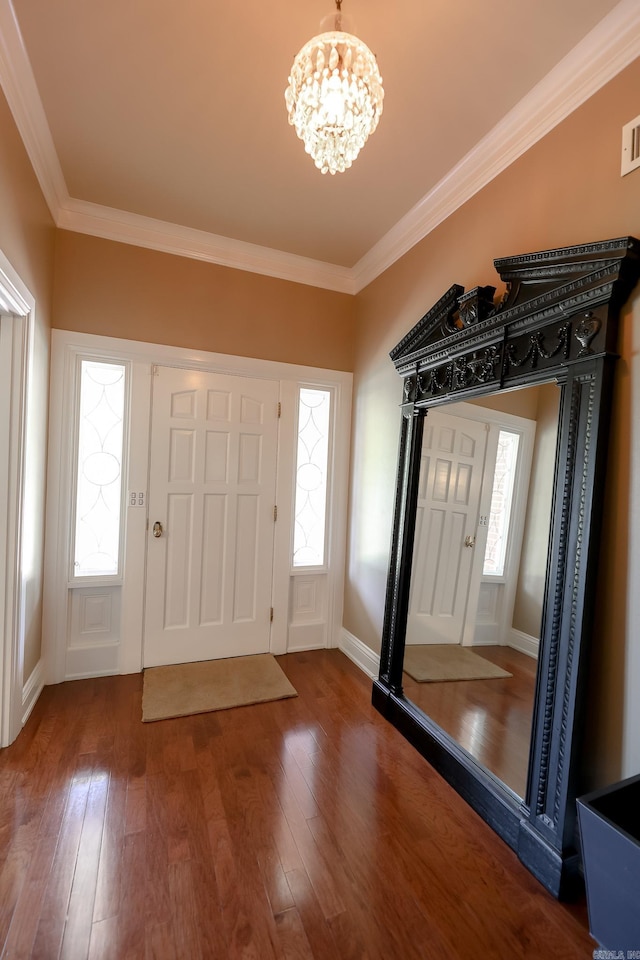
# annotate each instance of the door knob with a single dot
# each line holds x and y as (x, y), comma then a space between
(469, 541)
(157, 529)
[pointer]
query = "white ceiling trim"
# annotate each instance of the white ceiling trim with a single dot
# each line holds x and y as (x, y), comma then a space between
(21, 91)
(99, 221)
(603, 53)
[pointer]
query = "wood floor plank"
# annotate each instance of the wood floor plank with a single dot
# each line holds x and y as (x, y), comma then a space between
(291, 935)
(157, 897)
(318, 870)
(77, 931)
(238, 928)
(316, 927)
(131, 916)
(55, 903)
(161, 944)
(24, 921)
(244, 840)
(302, 829)
(184, 912)
(135, 805)
(104, 943)
(109, 879)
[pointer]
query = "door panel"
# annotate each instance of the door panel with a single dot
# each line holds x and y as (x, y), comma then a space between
(212, 487)
(448, 500)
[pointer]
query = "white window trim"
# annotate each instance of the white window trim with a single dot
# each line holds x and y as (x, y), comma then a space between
(66, 346)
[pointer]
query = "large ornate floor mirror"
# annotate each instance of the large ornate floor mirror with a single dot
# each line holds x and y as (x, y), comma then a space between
(491, 586)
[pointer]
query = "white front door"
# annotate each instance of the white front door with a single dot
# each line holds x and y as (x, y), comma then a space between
(451, 471)
(211, 508)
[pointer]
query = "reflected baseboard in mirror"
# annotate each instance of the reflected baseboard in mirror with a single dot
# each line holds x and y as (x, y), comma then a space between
(554, 333)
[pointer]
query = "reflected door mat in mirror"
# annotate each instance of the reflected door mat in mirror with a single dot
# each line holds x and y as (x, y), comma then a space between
(427, 662)
(181, 689)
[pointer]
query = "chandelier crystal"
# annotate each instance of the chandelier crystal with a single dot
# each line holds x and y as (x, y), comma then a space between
(334, 97)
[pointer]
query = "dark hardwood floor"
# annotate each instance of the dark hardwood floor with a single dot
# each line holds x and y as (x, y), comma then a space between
(303, 828)
(491, 719)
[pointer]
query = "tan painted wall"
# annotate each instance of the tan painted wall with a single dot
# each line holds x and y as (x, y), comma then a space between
(27, 240)
(565, 190)
(519, 403)
(117, 290)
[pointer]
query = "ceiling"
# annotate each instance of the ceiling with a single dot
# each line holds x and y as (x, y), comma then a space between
(164, 123)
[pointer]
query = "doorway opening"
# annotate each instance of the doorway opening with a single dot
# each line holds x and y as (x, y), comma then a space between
(207, 482)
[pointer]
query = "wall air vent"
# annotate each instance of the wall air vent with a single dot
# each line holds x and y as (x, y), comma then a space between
(630, 146)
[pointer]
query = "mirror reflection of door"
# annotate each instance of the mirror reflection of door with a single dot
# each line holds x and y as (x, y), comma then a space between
(451, 468)
(480, 557)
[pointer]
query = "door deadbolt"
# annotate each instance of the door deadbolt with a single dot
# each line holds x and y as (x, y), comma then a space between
(157, 529)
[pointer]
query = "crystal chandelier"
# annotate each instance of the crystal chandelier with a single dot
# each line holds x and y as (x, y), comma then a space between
(334, 97)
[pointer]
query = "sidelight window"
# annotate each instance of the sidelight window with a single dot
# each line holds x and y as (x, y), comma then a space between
(96, 548)
(312, 466)
(501, 504)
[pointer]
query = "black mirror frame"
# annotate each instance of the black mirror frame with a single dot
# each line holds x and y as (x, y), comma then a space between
(556, 321)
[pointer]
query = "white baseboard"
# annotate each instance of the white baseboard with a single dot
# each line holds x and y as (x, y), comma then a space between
(524, 643)
(94, 674)
(32, 690)
(302, 647)
(362, 655)
(95, 660)
(489, 641)
(311, 635)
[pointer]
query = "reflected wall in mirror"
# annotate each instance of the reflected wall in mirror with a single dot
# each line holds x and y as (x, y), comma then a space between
(479, 563)
(482, 562)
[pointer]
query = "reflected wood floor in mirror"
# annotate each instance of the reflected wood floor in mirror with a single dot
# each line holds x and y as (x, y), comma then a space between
(491, 719)
(302, 829)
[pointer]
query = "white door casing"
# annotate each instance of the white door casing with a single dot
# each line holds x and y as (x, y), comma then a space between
(212, 490)
(451, 469)
(10, 540)
(17, 535)
(119, 649)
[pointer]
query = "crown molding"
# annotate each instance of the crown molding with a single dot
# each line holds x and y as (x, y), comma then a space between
(603, 53)
(612, 45)
(21, 91)
(110, 224)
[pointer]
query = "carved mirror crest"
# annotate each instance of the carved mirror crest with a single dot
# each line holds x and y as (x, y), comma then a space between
(548, 345)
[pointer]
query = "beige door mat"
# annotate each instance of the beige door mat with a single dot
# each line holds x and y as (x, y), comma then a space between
(179, 690)
(432, 662)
